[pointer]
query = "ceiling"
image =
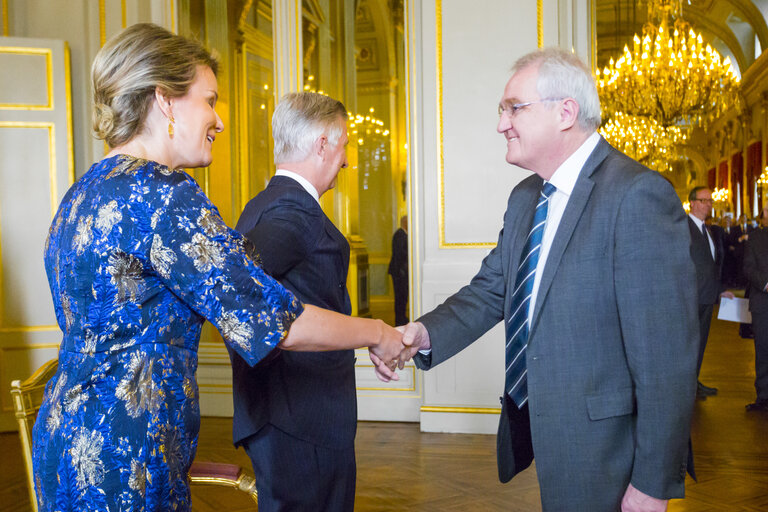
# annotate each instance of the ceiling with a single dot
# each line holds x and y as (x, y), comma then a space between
(736, 28)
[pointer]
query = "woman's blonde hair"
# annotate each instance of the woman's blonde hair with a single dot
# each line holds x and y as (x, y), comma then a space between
(128, 69)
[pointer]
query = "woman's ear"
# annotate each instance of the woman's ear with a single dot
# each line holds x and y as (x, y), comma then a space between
(164, 103)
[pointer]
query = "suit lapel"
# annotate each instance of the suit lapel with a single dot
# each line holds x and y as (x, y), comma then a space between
(571, 216)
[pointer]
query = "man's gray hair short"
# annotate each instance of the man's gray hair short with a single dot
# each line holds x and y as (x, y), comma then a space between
(562, 74)
(300, 118)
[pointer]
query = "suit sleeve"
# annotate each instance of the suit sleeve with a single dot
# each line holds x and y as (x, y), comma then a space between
(756, 274)
(655, 290)
(286, 233)
(469, 313)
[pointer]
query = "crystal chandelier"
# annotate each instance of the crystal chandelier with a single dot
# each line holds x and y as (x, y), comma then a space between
(644, 139)
(670, 77)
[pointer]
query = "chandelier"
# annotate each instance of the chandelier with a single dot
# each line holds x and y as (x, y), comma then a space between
(644, 139)
(670, 77)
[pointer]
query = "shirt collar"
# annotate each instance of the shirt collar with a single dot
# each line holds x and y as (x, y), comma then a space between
(564, 178)
(697, 220)
(305, 184)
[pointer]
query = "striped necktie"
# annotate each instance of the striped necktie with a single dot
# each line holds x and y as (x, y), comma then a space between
(517, 326)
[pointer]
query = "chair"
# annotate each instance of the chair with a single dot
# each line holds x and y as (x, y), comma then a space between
(27, 397)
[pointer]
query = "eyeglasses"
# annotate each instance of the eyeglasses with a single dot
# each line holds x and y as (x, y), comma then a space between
(704, 200)
(513, 108)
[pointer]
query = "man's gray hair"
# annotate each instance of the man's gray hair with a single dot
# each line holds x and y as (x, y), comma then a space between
(562, 74)
(300, 118)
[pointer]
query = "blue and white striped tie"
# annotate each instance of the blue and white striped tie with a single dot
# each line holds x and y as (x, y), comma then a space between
(516, 382)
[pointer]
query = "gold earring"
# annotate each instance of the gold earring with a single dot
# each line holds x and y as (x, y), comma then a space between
(170, 127)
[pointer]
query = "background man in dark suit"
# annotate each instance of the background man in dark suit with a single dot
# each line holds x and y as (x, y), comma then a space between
(398, 269)
(296, 414)
(607, 334)
(707, 254)
(756, 271)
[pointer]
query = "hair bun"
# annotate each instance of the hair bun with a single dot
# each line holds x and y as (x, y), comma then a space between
(103, 121)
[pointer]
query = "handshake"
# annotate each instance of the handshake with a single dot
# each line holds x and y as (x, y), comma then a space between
(396, 347)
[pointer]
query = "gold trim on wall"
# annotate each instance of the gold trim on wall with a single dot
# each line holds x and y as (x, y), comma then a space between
(462, 410)
(299, 46)
(29, 346)
(102, 23)
(412, 188)
(411, 388)
(70, 131)
(440, 154)
(123, 14)
(45, 52)
(442, 244)
(30, 328)
(540, 23)
(51, 127)
(173, 16)
(52, 179)
(5, 18)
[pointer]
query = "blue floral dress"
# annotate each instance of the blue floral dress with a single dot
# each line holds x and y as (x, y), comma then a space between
(137, 258)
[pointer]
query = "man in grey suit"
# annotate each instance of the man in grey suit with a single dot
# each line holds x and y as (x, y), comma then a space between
(591, 275)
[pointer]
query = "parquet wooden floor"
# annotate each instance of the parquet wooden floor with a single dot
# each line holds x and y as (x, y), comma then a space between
(401, 469)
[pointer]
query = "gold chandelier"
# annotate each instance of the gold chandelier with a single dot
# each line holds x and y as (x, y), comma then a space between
(670, 77)
(644, 139)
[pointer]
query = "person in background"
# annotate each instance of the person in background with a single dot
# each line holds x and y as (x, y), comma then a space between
(398, 269)
(137, 259)
(707, 254)
(756, 271)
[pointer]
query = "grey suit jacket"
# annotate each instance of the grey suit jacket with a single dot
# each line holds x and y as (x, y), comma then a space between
(613, 343)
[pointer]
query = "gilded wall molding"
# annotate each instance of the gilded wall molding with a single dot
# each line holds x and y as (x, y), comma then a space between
(4, 6)
(48, 55)
(102, 23)
(442, 242)
(51, 127)
(412, 142)
(461, 410)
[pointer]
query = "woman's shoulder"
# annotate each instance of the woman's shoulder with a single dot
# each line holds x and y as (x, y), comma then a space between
(127, 166)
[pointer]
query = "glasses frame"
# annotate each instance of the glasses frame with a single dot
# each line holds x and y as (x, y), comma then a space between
(512, 110)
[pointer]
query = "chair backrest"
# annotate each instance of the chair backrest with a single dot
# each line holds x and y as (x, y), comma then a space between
(27, 397)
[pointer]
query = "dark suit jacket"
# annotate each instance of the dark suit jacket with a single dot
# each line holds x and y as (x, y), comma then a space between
(613, 343)
(756, 269)
(398, 263)
(709, 272)
(308, 395)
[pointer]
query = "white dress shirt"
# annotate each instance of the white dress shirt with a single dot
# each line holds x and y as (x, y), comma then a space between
(564, 179)
(699, 222)
(302, 181)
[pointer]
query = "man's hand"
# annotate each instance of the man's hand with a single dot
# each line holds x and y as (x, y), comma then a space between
(636, 501)
(728, 295)
(415, 337)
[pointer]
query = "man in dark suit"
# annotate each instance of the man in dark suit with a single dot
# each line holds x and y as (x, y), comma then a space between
(590, 275)
(756, 271)
(296, 413)
(707, 254)
(398, 269)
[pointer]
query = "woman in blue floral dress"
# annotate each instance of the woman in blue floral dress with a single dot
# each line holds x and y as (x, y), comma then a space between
(137, 259)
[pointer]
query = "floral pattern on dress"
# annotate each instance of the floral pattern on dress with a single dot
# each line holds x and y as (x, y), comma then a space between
(137, 259)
